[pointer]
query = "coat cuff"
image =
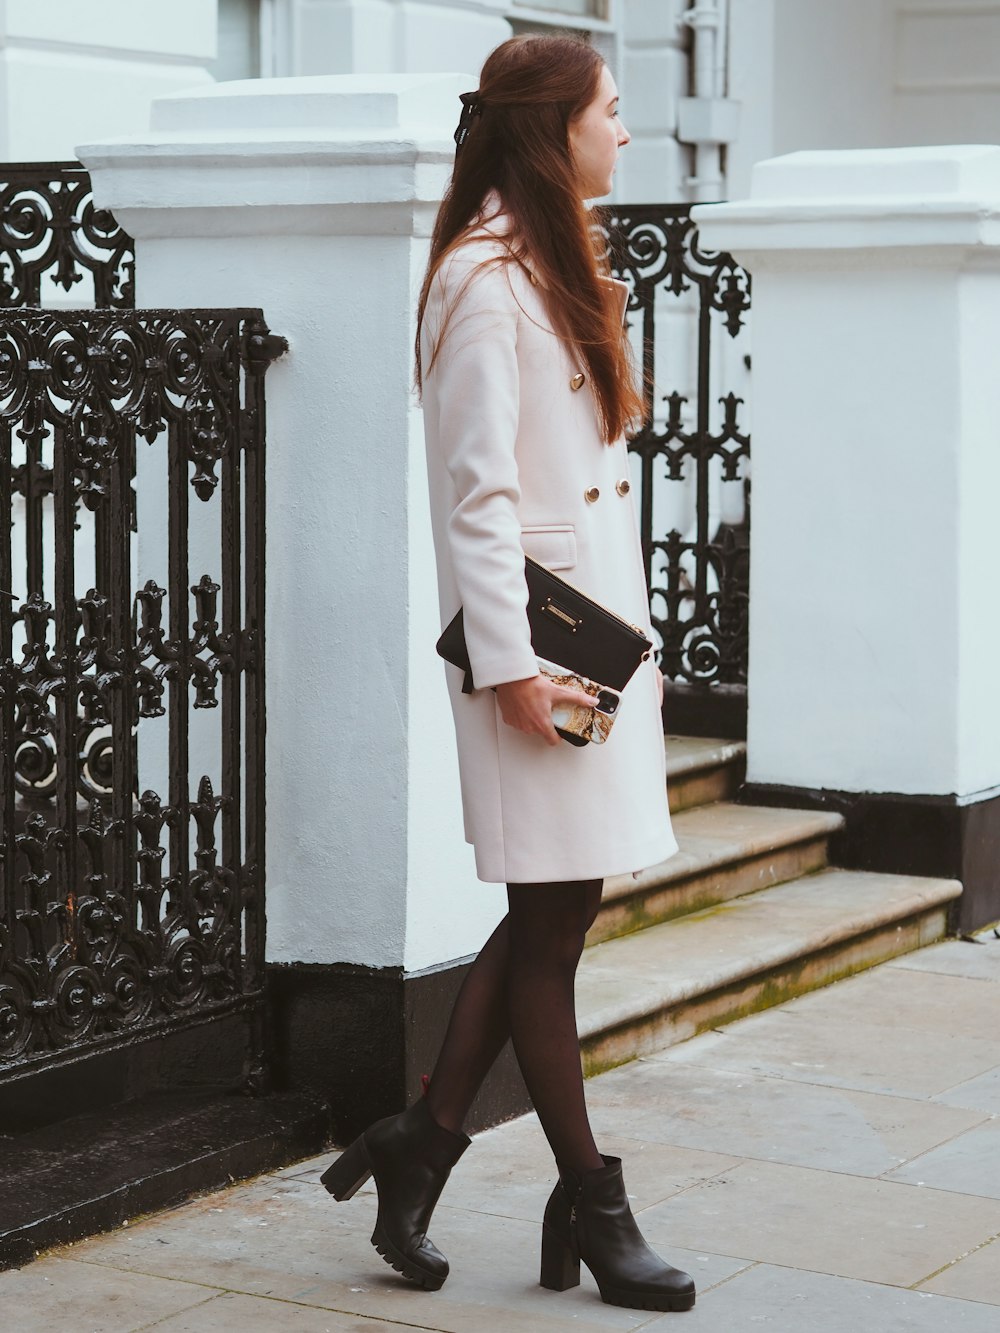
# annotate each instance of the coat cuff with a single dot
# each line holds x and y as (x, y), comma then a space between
(490, 671)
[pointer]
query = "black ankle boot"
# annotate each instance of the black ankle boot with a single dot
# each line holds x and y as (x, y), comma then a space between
(587, 1217)
(411, 1157)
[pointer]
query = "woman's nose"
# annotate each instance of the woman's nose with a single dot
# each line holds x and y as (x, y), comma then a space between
(623, 135)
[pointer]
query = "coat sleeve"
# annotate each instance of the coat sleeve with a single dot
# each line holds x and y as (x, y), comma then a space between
(476, 383)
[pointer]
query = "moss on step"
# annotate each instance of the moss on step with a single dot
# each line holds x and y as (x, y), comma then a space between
(752, 995)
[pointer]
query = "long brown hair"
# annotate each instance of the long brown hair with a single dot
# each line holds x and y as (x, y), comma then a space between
(531, 89)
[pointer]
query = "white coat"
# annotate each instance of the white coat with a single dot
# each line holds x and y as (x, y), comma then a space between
(517, 465)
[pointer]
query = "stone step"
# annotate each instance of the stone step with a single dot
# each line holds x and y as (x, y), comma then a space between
(98, 1170)
(703, 769)
(726, 851)
(652, 989)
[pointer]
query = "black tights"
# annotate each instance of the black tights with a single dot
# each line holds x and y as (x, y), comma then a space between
(521, 987)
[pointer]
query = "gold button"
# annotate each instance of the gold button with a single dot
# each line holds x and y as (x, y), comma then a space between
(591, 494)
(624, 486)
(578, 381)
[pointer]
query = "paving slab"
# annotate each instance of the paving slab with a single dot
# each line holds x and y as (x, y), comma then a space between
(846, 1052)
(782, 1300)
(968, 1164)
(978, 1094)
(976, 958)
(910, 999)
(232, 1313)
(821, 1221)
(772, 1119)
(974, 1278)
(63, 1295)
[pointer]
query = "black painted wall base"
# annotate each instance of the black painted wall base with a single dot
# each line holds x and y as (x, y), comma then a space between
(362, 1037)
(210, 1054)
(720, 711)
(949, 837)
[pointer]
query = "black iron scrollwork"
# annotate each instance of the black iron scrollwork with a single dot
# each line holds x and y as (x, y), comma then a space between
(49, 227)
(124, 909)
(697, 565)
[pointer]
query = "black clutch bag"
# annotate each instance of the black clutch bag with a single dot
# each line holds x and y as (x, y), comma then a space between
(568, 628)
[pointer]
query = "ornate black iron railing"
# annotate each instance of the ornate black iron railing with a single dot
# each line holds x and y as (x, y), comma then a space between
(131, 675)
(50, 228)
(686, 312)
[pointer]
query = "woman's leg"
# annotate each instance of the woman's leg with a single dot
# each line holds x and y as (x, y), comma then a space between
(525, 970)
(547, 925)
(477, 1032)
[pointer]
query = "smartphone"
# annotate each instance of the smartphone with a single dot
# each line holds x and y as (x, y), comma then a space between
(574, 723)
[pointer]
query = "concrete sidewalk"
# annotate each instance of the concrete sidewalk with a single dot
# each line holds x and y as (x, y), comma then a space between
(828, 1166)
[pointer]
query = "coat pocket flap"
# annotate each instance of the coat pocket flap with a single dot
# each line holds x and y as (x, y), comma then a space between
(551, 544)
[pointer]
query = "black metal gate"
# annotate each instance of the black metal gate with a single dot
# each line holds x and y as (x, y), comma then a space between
(131, 650)
(50, 229)
(687, 311)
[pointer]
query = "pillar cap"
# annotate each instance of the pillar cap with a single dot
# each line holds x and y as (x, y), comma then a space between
(863, 199)
(321, 155)
(333, 104)
(963, 171)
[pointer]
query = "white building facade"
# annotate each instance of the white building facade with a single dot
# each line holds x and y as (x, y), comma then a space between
(319, 212)
(708, 86)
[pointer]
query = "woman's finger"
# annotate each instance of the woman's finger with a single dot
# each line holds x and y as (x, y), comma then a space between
(563, 694)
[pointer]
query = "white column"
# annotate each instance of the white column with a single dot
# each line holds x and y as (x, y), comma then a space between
(383, 36)
(74, 69)
(653, 78)
(709, 119)
(313, 199)
(876, 467)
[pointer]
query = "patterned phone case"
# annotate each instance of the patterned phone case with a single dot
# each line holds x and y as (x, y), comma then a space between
(577, 724)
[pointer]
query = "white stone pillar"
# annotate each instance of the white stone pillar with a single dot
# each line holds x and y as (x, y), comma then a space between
(72, 69)
(653, 77)
(385, 36)
(876, 469)
(313, 198)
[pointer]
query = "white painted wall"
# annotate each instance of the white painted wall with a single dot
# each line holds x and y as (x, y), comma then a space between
(644, 42)
(876, 284)
(861, 74)
(72, 69)
(314, 199)
(385, 36)
(652, 77)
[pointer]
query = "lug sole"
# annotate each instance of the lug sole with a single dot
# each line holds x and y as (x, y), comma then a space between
(636, 1300)
(397, 1260)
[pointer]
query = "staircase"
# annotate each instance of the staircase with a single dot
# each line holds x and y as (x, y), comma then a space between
(748, 913)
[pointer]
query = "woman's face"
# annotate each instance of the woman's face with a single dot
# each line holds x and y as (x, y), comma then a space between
(595, 137)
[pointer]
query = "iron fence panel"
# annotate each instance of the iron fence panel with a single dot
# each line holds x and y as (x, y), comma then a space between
(131, 675)
(49, 227)
(692, 449)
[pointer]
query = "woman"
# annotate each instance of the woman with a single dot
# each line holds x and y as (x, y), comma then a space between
(527, 389)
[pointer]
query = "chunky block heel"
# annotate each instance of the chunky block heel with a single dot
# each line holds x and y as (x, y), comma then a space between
(348, 1173)
(588, 1219)
(560, 1262)
(410, 1155)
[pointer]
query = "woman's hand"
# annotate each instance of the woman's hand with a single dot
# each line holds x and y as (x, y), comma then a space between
(659, 685)
(527, 705)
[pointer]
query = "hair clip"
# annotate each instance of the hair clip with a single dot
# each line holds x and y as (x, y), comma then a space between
(471, 107)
